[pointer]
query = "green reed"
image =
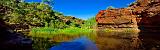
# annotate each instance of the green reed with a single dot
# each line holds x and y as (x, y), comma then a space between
(46, 37)
(47, 32)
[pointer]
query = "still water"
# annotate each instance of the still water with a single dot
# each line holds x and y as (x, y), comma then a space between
(115, 40)
(128, 41)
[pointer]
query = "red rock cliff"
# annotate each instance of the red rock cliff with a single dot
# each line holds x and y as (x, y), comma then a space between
(116, 18)
(144, 13)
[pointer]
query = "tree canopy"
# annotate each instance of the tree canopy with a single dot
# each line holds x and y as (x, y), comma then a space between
(110, 7)
(35, 14)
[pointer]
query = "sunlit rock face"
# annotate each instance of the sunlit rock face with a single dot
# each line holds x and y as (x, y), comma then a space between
(116, 18)
(144, 13)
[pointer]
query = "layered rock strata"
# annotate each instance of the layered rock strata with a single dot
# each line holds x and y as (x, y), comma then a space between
(144, 14)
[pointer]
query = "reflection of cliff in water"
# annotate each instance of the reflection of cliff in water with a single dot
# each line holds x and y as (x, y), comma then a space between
(150, 40)
(118, 40)
(150, 29)
(128, 40)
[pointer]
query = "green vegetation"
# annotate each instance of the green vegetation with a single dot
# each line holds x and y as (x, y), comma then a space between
(90, 23)
(47, 27)
(42, 43)
(70, 33)
(44, 22)
(58, 35)
(110, 7)
(47, 32)
(37, 15)
(73, 29)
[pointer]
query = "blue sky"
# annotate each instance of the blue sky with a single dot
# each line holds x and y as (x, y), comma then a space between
(85, 9)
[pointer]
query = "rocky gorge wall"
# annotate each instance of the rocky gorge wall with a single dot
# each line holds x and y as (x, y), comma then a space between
(144, 14)
(116, 18)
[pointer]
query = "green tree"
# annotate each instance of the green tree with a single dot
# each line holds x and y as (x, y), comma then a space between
(110, 7)
(37, 14)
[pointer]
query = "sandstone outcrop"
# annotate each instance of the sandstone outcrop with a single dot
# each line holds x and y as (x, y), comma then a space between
(143, 13)
(116, 18)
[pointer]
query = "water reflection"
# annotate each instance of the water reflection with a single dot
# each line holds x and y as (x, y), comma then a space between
(82, 43)
(118, 41)
(128, 40)
(150, 40)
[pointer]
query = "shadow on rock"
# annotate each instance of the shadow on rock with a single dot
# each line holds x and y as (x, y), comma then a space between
(10, 40)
